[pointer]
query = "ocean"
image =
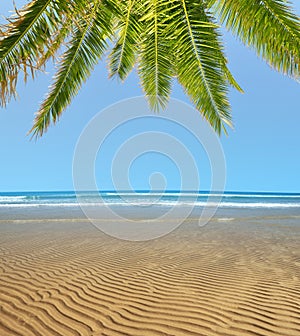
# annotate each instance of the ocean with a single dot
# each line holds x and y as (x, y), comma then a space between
(167, 198)
(66, 204)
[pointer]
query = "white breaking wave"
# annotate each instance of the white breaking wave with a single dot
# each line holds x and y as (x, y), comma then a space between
(232, 204)
(191, 194)
(259, 205)
(11, 198)
(157, 203)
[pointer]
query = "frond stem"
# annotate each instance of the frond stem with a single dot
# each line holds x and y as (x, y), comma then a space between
(280, 21)
(156, 47)
(198, 58)
(124, 38)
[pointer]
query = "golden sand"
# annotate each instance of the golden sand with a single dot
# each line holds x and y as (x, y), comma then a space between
(223, 279)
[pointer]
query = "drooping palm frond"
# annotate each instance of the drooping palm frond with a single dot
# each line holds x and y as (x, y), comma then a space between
(123, 55)
(24, 41)
(156, 62)
(82, 53)
(57, 40)
(165, 38)
(200, 62)
(270, 26)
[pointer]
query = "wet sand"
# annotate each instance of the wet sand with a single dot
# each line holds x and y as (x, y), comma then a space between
(237, 277)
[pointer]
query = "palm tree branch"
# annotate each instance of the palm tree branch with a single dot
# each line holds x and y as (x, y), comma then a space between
(155, 56)
(34, 10)
(156, 46)
(85, 49)
(200, 66)
(26, 40)
(278, 17)
(270, 26)
(70, 64)
(56, 41)
(123, 55)
(124, 35)
(15, 52)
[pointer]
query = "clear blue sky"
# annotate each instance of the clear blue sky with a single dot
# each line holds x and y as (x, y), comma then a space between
(262, 152)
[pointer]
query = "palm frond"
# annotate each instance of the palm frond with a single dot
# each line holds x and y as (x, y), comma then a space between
(22, 42)
(155, 54)
(123, 54)
(82, 53)
(270, 26)
(231, 80)
(165, 38)
(56, 41)
(200, 62)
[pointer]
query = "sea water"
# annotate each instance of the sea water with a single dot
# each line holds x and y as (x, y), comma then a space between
(228, 205)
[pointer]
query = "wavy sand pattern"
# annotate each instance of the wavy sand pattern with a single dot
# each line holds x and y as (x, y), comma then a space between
(227, 278)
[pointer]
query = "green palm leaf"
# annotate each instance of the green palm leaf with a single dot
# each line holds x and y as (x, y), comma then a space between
(200, 62)
(270, 26)
(164, 38)
(24, 41)
(56, 40)
(83, 52)
(123, 54)
(155, 54)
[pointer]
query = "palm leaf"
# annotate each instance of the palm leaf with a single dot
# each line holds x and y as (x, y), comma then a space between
(56, 41)
(123, 54)
(82, 53)
(200, 62)
(155, 54)
(166, 38)
(23, 42)
(31, 37)
(231, 80)
(270, 26)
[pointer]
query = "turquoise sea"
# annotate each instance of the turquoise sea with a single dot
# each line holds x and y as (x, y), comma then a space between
(66, 204)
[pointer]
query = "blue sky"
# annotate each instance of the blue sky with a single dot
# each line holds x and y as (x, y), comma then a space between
(262, 151)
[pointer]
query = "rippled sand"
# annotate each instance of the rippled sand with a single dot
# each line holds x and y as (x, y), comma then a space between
(227, 278)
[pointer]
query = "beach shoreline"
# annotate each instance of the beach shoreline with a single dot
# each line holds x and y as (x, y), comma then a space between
(231, 277)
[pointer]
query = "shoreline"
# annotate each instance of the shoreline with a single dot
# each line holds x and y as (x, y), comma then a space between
(226, 278)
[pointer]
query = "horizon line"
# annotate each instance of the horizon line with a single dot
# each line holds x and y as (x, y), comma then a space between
(153, 191)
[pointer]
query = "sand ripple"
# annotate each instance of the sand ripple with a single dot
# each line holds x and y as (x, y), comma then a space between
(73, 280)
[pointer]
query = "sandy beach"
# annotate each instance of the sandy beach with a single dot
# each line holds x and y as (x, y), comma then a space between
(227, 278)
(169, 206)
